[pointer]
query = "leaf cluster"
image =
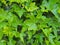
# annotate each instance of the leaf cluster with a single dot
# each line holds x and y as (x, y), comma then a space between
(29, 22)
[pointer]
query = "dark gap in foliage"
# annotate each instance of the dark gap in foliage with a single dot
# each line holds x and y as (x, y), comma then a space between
(58, 27)
(47, 0)
(5, 37)
(58, 3)
(39, 43)
(38, 2)
(7, 2)
(19, 27)
(16, 14)
(2, 5)
(35, 13)
(48, 14)
(54, 38)
(15, 3)
(5, 21)
(37, 23)
(26, 38)
(23, 18)
(49, 26)
(39, 31)
(45, 38)
(52, 32)
(27, 12)
(58, 32)
(43, 28)
(26, 32)
(45, 8)
(33, 39)
(19, 43)
(28, 43)
(58, 39)
(16, 38)
(8, 7)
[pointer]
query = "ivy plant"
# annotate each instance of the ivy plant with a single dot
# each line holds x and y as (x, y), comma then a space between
(29, 22)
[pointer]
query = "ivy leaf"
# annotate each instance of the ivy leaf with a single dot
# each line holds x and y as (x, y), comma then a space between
(51, 39)
(59, 11)
(18, 10)
(11, 42)
(22, 37)
(31, 7)
(31, 26)
(2, 42)
(47, 32)
(1, 34)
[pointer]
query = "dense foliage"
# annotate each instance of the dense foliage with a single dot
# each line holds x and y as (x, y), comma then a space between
(29, 22)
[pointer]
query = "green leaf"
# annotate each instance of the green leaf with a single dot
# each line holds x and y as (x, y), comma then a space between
(31, 7)
(51, 39)
(18, 10)
(2, 42)
(11, 42)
